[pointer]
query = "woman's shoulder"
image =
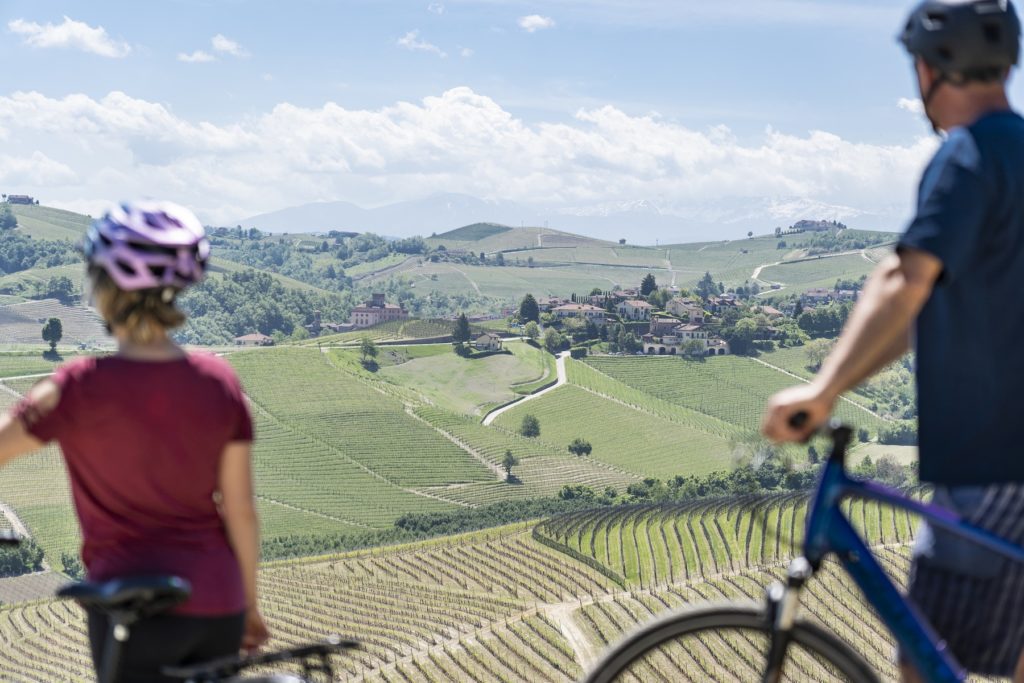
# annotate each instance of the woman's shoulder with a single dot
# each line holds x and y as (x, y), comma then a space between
(212, 365)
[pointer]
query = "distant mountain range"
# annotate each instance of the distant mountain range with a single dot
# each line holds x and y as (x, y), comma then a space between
(640, 222)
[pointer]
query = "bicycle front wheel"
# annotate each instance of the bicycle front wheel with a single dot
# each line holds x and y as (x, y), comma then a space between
(726, 643)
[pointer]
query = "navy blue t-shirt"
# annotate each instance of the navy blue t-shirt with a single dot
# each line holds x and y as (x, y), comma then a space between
(970, 334)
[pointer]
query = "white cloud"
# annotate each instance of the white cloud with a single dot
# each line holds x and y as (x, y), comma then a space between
(411, 41)
(535, 22)
(196, 57)
(914, 106)
(466, 52)
(71, 34)
(458, 141)
(224, 44)
(36, 170)
(435, 8)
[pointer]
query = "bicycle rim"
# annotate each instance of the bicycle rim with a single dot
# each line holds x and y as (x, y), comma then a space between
(726, 643)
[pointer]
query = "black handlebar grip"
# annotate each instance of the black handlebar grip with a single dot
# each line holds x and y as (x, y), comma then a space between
(798, 420)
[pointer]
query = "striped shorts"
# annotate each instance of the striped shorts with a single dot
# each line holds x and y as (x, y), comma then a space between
(973, 597)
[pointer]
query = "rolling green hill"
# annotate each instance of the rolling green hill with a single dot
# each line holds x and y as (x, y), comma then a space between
(44, 222)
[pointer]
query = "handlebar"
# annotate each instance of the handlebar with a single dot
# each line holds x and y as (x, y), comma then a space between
(225, 668)
(839, 433)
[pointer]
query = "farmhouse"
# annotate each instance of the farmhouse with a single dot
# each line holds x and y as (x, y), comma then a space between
(546, 304)
(254, 339)
(663, 324)
(20, 199)
(592, 313)
(717, 304)
(634, 309)
(487, 342)
(686, 308)
(376, 311)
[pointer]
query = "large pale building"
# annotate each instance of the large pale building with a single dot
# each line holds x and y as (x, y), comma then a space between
(376, 311)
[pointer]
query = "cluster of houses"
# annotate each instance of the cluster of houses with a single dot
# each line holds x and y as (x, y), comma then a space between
(669, 333)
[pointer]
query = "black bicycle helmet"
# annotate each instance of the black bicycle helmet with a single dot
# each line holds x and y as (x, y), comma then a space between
(964, 39)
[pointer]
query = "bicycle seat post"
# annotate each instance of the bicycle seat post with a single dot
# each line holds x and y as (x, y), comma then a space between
(120, 632)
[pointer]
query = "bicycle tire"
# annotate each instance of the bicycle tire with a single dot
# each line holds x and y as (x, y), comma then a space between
(715, 619)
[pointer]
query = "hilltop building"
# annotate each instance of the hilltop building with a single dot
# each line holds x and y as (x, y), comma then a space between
(20, 199)
(376, 311)
(318, 326)
(487, 342)
(254, 339)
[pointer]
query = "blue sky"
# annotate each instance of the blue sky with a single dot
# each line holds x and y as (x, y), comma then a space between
(721, 83)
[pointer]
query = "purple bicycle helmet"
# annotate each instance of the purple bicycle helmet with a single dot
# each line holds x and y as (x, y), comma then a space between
(148, 245)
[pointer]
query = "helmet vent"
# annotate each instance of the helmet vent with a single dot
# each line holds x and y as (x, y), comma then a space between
(126, 267)
(934, 21)
(945, 53)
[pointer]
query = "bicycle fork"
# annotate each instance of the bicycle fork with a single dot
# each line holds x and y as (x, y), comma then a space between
(783, 603)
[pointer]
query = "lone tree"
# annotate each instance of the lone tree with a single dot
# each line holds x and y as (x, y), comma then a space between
(579, 447)
(648, 285)
(507, 463)
(368, 349)
(461, 333)
(52, 332)
(529, 310)
(532, 331)
(530, 426)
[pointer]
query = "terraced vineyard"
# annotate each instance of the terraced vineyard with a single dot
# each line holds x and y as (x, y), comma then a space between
(504, 605)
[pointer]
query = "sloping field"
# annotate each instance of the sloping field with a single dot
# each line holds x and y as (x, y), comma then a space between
(473, 233)
(731, 388)
(301, 390)
(819, 272)
(501, 606)
(621, 436)
(15, 364)
(476, 240)
(22, 323)
(44, 222)
(470, 385)
(542, 471)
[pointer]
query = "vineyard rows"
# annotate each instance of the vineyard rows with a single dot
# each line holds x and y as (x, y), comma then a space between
(344, 413)
(651, 545)
(496, 605)
(731, 388)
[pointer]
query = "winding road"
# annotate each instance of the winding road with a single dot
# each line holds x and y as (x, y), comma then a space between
(559, 365)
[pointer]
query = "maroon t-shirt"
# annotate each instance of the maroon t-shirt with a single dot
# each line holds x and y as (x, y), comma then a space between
(143, 441)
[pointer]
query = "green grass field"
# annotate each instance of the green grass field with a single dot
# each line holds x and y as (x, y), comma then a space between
(469, 385)
(43, 222)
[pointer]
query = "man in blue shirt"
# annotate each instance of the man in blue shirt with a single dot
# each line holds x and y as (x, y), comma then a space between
(951, 291)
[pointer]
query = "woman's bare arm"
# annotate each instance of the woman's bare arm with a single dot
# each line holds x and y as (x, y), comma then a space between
(238, 508)
(14, 438)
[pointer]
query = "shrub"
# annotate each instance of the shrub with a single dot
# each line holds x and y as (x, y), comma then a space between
(530, 427)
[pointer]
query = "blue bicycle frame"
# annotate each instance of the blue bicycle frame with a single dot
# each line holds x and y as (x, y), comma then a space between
(828, 530)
